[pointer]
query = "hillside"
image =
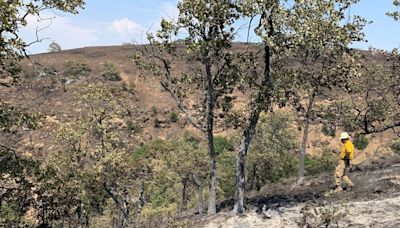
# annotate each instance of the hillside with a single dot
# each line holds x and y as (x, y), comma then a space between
(44, 89)
(41, 91)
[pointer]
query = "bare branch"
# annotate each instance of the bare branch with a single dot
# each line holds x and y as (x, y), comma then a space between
(381, 129)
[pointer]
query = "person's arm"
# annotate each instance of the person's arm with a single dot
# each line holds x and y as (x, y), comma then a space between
(349, 150)
(343, 152)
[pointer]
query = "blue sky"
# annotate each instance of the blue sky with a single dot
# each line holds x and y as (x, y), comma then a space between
(105, 22)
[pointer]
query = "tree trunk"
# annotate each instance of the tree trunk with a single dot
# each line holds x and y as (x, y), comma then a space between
(253, 180)
(199, 185)
(212, 195)
(87, 222)
(142, 200)
(241, 176)
(83, 216)
(122, 202)
(184, 196)
(262, 100)
(303, 146)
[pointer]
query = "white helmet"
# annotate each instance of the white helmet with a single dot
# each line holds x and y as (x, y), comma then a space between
(344, 135)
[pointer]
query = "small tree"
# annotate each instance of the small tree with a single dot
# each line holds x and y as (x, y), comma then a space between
(14, 17)
(373, 103)
(271, 29)
(111, 72)
(321, 41)
(76, 69)
(271, 155)
(210, 29)
(54, 47)
(97, 151)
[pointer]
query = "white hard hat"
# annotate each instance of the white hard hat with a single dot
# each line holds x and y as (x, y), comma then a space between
(344, 135)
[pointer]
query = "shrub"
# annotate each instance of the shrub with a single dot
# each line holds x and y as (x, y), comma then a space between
(10, 117)
(76, 69)
(111, 72)
(222, 144)
(329, 129)
(157, 123)
(154, 111)
(132, 88)
(132, 127)
(320, 164)
(329, 117)
(54, 47)
(124, 86)
(173, 117)
(395, 146)
(272, 153)
(361, 142)
(350, 125)
(192, 140)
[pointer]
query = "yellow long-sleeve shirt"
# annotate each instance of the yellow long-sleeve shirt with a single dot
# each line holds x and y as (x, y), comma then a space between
(347, 150)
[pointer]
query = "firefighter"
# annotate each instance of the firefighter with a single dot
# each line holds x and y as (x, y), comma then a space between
(343, 168)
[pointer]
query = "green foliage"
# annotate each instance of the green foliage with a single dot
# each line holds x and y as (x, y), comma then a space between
(226, 170)
(171, 161)
(372, 106)
(272, 152)
(361, 142)
(76, 69)
(395, 146)
(226, 158)
(156, 123)
(95, 164)
(18, 177)
(154, 111)
(111, 72)
(223, 144)
(329, 129)
(10, 117)
(342, 112)
(173, 117)
(140, 152)
(133, 127)
(320, 164)
(396, 14)
(54, 47)
(12, 46)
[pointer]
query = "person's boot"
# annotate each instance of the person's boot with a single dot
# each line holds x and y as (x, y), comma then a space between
(338, 189)
(350, 188)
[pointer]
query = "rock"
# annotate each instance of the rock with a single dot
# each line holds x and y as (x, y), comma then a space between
(395, 166)
(365, 165)
(13, 129)
(7, 81)
(267, 214)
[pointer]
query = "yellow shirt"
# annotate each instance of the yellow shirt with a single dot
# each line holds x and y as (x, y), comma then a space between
(347, 150)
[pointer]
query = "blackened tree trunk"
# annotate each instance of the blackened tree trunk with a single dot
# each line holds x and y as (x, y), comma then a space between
(262, 100)
(212, 195)
(255, 182)
(122, 203)
(199, 185)
(184, 182)
(142, 200)
(303, 146)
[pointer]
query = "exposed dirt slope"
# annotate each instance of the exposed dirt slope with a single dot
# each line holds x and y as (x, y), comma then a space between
(37, 92)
